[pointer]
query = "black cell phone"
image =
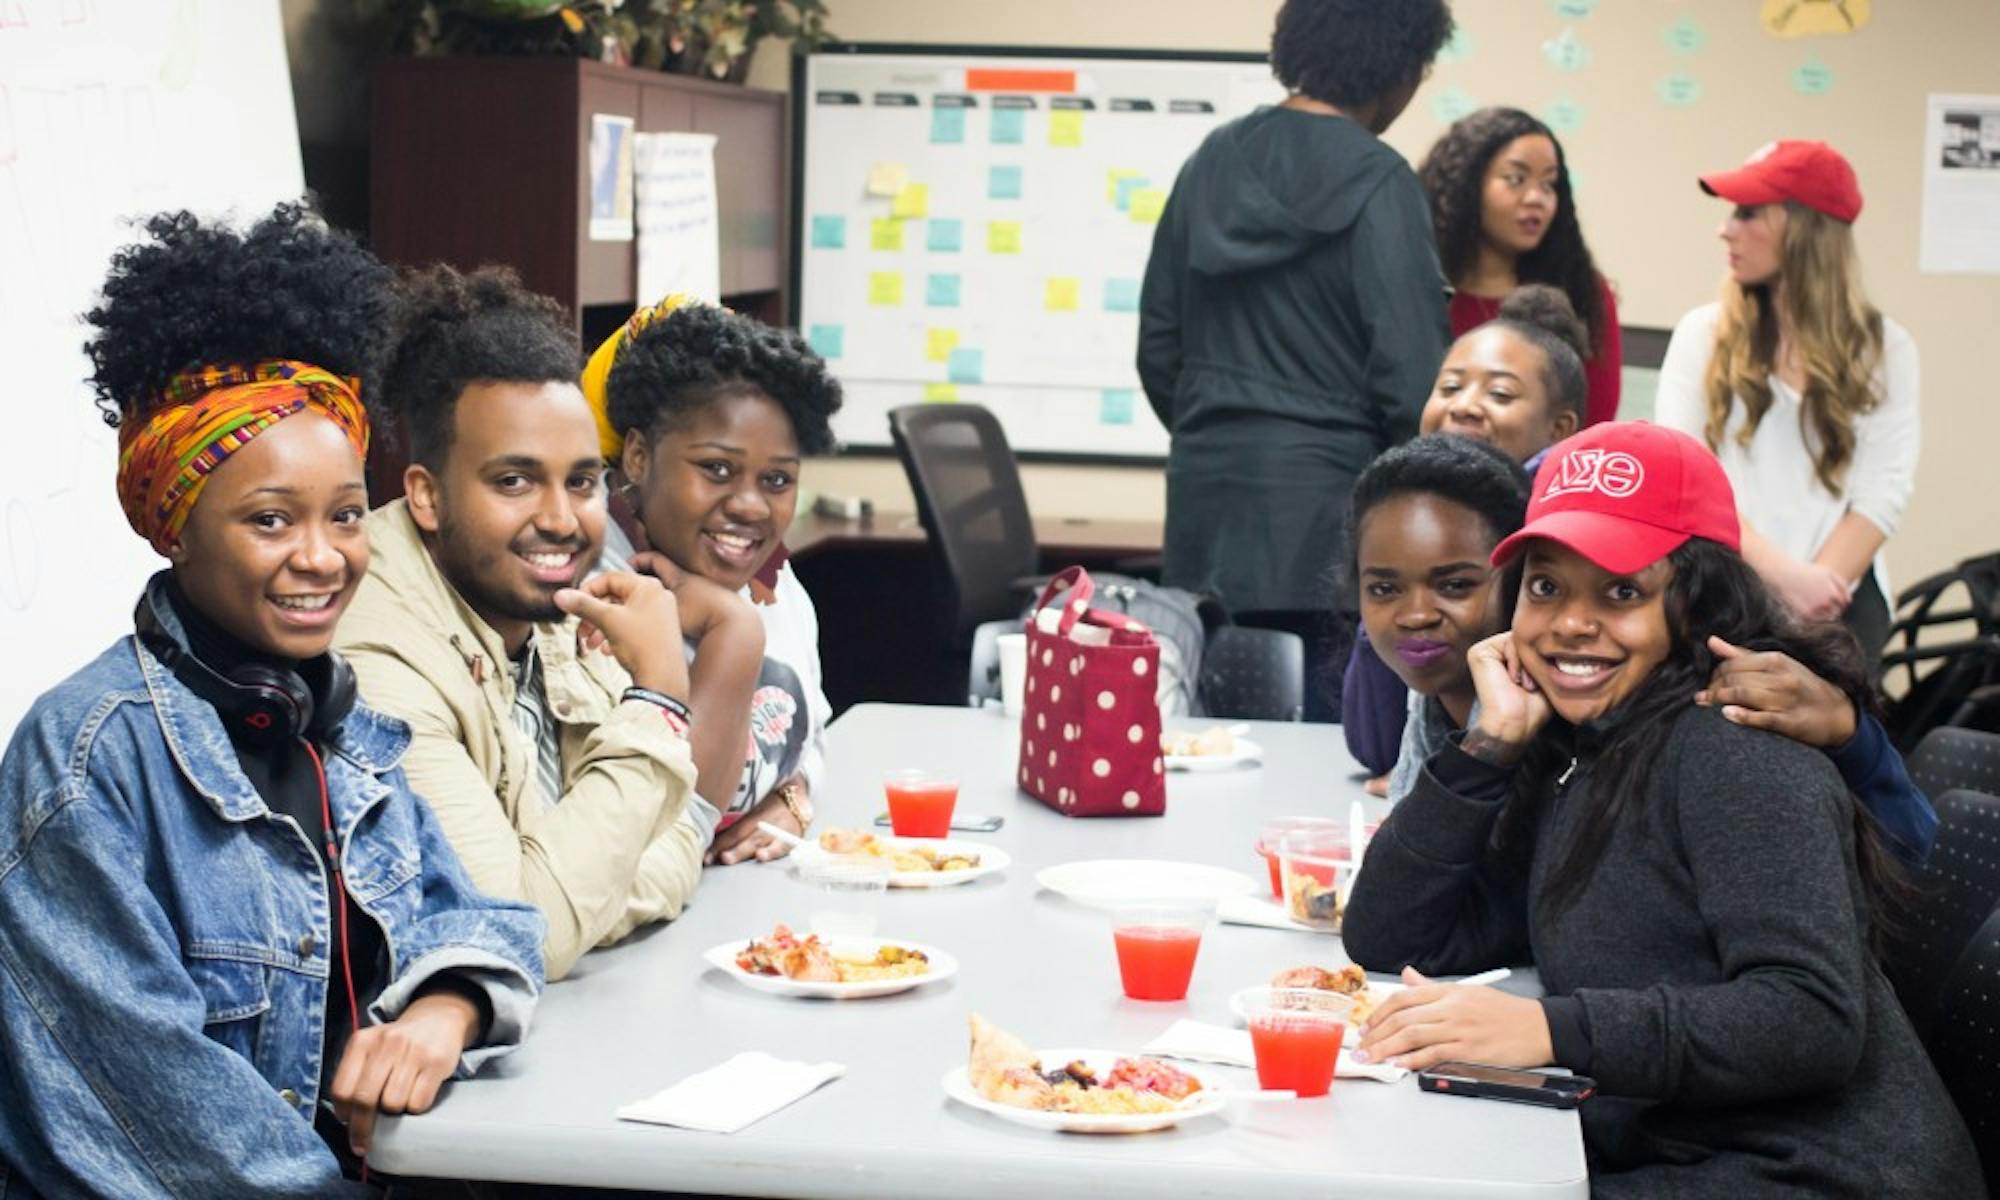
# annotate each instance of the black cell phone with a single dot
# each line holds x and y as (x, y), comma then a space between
(1507, 1083)
(969, 822)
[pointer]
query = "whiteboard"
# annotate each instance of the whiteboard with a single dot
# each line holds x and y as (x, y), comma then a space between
(973, 225)
(109, 110)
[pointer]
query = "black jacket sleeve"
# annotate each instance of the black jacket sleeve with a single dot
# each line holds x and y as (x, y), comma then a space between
(1430, 894)
(1400, 290)
(1160, 309)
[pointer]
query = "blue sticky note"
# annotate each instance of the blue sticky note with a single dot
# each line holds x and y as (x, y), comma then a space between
(947, 126)
(1126, 186)
(1003, 183)
(941, 291)
(829, 232)
(945, 234)
(967, 365)
(826, 340)
(1115, 406)
(1121, 295)
(1009, 125)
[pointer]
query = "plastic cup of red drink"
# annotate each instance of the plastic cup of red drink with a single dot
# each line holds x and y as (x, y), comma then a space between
(920, 802)
(1157, 943)
(1295, 1036)
(1267, 843)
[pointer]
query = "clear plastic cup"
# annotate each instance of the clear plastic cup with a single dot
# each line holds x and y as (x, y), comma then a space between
(1157, 942)
(847, 891)
(1316, 868)
(920, 802)
(1267, 843)
(1295, 1036)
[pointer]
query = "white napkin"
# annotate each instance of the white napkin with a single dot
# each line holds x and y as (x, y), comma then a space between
(1198, 1041)
(1259, 910)
(733, 1095)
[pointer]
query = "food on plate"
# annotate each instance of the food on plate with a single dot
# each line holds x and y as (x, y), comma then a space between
(809, 960)
(1311, 899)
(902, 858)
(1349, 980)
(1214, 742)
(1005, 1071)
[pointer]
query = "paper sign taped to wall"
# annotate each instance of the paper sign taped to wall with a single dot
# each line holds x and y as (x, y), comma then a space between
(679, 234)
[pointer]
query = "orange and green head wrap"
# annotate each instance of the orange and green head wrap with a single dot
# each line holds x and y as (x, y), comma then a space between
(596, 381)
(208, 414)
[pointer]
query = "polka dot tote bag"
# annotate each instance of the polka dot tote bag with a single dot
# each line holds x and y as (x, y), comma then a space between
(1090, 717)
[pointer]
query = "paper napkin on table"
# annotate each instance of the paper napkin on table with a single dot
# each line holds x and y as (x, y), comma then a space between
(1258, 910)
(1198, 1041)
(733, 1095)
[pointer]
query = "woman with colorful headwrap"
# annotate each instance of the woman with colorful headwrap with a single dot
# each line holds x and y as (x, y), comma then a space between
(708, 414)
(227, 926)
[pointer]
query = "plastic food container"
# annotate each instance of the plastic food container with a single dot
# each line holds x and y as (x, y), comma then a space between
(1316, 869)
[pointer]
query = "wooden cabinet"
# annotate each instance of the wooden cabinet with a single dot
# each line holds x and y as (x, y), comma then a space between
(477, 160)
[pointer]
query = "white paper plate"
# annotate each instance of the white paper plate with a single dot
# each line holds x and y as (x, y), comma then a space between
(943, 966)
(992, 859)
(1107, 881)
(1246, 751)
(1378, 991)
(959, 1087)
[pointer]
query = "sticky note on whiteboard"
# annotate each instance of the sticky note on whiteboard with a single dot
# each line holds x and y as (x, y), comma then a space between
(1003, 237)
(1060, 294)
(829, 232)
(913, 201)
(1066, 127)
(940, 393)
(885, 288)
(942, 291)
(826, 340)
(887, 178)
(1115, 176)
(944, 235)
(1009, 124)
(947, 126)
(1122, 195)
(939, 343)
(1116, 405)
(967, 365)
(885, 233)
(1003, 183)
(1121, 295)
(1147, 205)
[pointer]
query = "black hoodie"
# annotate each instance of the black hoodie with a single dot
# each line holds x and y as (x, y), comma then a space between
(1292, 322)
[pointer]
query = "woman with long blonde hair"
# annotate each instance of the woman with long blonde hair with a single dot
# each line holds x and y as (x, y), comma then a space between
(1806, 393)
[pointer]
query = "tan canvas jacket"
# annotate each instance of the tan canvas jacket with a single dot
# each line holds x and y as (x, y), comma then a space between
(615, 853)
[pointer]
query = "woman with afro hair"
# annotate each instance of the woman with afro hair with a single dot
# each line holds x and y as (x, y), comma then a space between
(1292, 316)
(227, 926)
(1505, 215)
(708, 415)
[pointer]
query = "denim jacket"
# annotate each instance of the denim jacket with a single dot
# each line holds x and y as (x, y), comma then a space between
(163, 941)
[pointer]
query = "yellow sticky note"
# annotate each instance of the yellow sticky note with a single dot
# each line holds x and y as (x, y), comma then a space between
(939, 343)
(1003, 237)
(885, 288)
(913, 201)
(1147, 204)
(887, 178)
(886, 233)
(1111, 179)
(940, 393)
(1060, 295)
(1066, 127)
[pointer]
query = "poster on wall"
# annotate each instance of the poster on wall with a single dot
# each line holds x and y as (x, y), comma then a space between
(679, 243)
(1961, 216)
(610, 178)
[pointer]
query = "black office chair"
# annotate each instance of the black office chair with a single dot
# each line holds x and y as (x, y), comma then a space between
(1964, 1041)
(1956, 890)
(1253, 674)
(970, 501)
(1950, 759)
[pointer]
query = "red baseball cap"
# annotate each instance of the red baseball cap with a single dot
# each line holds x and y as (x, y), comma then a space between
(1812, 173)
(1625, 494)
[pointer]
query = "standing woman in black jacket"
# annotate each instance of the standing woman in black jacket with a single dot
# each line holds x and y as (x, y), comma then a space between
(1698, 895)
(1293, 315)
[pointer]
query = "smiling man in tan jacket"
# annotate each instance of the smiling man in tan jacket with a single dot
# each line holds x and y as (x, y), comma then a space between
(549, 712)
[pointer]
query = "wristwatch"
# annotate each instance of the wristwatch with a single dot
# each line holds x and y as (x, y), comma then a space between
(796, 802)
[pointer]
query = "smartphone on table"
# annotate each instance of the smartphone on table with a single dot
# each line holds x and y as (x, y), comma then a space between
(968, 822)
(1507, 1083)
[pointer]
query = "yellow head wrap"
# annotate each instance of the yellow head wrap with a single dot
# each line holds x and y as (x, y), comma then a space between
(596, 381)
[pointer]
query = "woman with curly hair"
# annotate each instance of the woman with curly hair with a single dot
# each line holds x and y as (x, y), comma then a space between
(227, 925)
(1504, 215)
(1806, 392)
(1292, 315)
(708, 416)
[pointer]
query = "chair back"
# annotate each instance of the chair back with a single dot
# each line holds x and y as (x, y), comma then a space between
(1254, 674)
(1955, 892)
(969, 498)
(1951, 759)
(1964, 1041)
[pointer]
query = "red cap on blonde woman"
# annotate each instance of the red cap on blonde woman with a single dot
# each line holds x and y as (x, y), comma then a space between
(1625, 494)
(1812, 173)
